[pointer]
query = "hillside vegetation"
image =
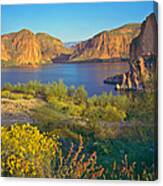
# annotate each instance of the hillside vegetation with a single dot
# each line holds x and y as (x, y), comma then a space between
(116, 133)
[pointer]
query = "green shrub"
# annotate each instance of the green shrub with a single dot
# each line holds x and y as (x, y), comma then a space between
(28, 153)
(80, 95)
(8, 86)
(16, 96)
(57, 104)
(71, 91)
(128, 171)
(5, 94)
(56, 89)
(28, 96)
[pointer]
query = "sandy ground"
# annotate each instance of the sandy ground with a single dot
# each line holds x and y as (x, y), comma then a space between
(18, 111)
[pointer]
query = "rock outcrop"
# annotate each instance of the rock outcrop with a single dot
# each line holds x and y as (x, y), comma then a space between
(143, 57)
(26, 48)
(145, 44)
(21, 47)
(107, 44)
(51, 47)
(5, 55)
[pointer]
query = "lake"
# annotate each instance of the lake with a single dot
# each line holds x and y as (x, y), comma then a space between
(91, 75)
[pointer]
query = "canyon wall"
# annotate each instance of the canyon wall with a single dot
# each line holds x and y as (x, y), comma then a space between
(26, 48)
(107, 44)
(143, 57)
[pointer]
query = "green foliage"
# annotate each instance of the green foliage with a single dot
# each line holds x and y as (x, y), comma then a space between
(80, 95)
(32, 87)
(110, 125)
(128, 171)
(5, 94)
(48, 119)
(8, 86)
(9, 64)
(28, 153)
(109, 150)
(99, 113)
(121, 101)
(58, 90)
(71, 91)
(28, 96)
(142, 116)
(15, 96)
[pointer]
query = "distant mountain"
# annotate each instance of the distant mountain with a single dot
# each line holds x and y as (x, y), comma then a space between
(70, 44)
(26, 48)
(107, 44)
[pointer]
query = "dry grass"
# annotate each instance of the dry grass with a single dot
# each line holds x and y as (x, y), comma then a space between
(18, 111)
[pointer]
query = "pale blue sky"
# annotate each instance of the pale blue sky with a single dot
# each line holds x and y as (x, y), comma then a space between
(73, 22)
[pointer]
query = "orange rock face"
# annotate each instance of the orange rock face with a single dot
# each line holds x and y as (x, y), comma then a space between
(146, 43)
(21, 47)
(26, 48)
(51, 47)
(107, 44)
(5, 53)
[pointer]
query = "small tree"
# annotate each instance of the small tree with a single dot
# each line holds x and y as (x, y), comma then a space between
(71, 91)
(80, 95)
(59, 89)
(8, 86)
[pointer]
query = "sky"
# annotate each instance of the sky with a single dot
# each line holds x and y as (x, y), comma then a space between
(72, 22)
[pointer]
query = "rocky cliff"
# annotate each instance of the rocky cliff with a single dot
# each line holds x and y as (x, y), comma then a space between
(143, 57)
(107, 44)
(146, 42)
(51, 47)
(21, 47)
(26, 48)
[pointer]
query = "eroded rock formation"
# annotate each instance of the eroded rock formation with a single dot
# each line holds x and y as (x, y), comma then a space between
(21, 47)
(26, 48)
(107, 44)
(143, 57)
(51, 47)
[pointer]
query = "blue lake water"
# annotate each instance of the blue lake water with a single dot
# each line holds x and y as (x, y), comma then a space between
(91, 75)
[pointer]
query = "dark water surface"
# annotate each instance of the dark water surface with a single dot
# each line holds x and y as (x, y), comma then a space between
(91, 75)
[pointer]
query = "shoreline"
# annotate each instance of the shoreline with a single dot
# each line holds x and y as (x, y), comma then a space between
(112, 61)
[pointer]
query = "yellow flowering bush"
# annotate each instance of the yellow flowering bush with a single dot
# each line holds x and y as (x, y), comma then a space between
(5, 94)
(26, 152)
(15, 96)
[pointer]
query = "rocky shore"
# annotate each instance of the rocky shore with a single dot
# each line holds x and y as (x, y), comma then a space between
(143, 59)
